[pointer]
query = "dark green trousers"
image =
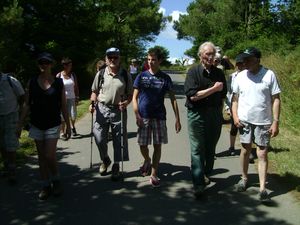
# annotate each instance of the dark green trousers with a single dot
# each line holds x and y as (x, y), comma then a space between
(204, 127)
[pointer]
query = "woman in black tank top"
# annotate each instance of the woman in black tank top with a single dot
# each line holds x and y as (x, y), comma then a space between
(45, 98)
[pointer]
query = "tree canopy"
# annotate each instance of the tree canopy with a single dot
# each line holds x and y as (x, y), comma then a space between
(82, 30)
(234, 24)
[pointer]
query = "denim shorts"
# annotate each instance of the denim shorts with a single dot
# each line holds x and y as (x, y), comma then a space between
(38, 134)
(8, 135)
(153, 128)
(259, 134)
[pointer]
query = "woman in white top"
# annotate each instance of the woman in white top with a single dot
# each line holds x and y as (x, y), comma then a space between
(72, 93)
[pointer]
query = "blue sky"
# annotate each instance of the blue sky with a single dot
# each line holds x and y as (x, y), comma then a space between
(168, 37)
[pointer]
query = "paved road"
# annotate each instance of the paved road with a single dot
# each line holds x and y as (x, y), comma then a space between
(92, 199)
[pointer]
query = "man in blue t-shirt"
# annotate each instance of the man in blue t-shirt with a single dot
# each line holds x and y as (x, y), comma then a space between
(150, 88)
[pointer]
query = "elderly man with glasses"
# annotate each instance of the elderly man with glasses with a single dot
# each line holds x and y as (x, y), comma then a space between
(111, 93)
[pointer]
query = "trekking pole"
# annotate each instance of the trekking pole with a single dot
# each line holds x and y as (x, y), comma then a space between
(91, 158)
(122, 138)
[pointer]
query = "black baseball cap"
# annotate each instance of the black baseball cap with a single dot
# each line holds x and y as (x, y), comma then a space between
(249, 52)
(45, 56)
(239, 58)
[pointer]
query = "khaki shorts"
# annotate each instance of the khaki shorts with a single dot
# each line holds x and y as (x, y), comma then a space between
(38, 134)
(8, 135)
(259, 134)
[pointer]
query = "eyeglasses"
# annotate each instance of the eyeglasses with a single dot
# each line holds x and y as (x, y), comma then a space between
(113, 57)
(66, 64)
(44, 62)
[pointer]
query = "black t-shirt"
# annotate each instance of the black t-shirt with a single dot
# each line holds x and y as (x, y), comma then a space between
(45, 105)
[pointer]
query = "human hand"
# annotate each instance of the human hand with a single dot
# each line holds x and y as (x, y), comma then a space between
(274, 129)
(218, 86)
(177, 126)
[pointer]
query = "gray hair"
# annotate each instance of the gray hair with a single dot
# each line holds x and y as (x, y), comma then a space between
(207, 43)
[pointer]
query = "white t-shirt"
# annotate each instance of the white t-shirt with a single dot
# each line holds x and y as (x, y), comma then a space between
(255, 95)
(9, 94)
(69, 86)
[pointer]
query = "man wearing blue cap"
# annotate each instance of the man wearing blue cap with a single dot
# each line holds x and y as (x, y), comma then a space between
(112, 92)
(256, 111)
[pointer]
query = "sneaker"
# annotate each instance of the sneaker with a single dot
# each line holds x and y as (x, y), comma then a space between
(241, 186)
(74, 133)
(63, 136)
(206, 180)
(231, 151)
(45, 193)
(115, 172)
(57, 188)
(263, 196)
(145, 169)
(199, 191)
(104, 166)
(154, 181)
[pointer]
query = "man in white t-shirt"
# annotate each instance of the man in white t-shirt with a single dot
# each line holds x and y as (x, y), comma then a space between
(256, 111)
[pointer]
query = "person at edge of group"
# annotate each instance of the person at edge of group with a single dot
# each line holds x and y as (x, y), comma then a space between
(256, 111)
(134, 69)
(145, 66)
(11, 100)
(222, 61)
(205, 90)
(111, 93)
(72, 94)
(45, 99)
(150, 88)
(239, 63)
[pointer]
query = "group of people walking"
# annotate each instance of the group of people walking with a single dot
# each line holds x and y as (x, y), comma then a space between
(253, 103)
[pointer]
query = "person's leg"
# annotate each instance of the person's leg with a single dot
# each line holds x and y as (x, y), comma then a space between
(156, 159)
(262, 156)
(244, 159)
(100, 131)
(73, 115)
(43, 163)
(196, 131)
(213, 127)
(144, 138)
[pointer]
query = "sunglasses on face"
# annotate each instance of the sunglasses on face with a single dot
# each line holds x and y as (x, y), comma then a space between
(66, 64)
(113, 57)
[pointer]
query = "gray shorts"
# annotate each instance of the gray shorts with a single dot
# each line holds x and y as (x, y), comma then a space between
(259, 134)
(8, 135)
(38, 134)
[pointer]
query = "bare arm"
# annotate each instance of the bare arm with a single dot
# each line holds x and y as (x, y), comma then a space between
(234, 108)
(139, 120)
(274, 129)
(176, 111)
(76, 89)
(218, 86)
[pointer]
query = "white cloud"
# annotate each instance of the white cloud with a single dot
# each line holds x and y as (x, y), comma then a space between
(169, 32)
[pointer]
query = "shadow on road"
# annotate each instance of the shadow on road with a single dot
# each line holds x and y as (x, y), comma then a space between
(91, 199)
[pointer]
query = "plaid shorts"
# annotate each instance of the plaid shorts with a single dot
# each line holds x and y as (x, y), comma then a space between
(8, 135)
(153, 127)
